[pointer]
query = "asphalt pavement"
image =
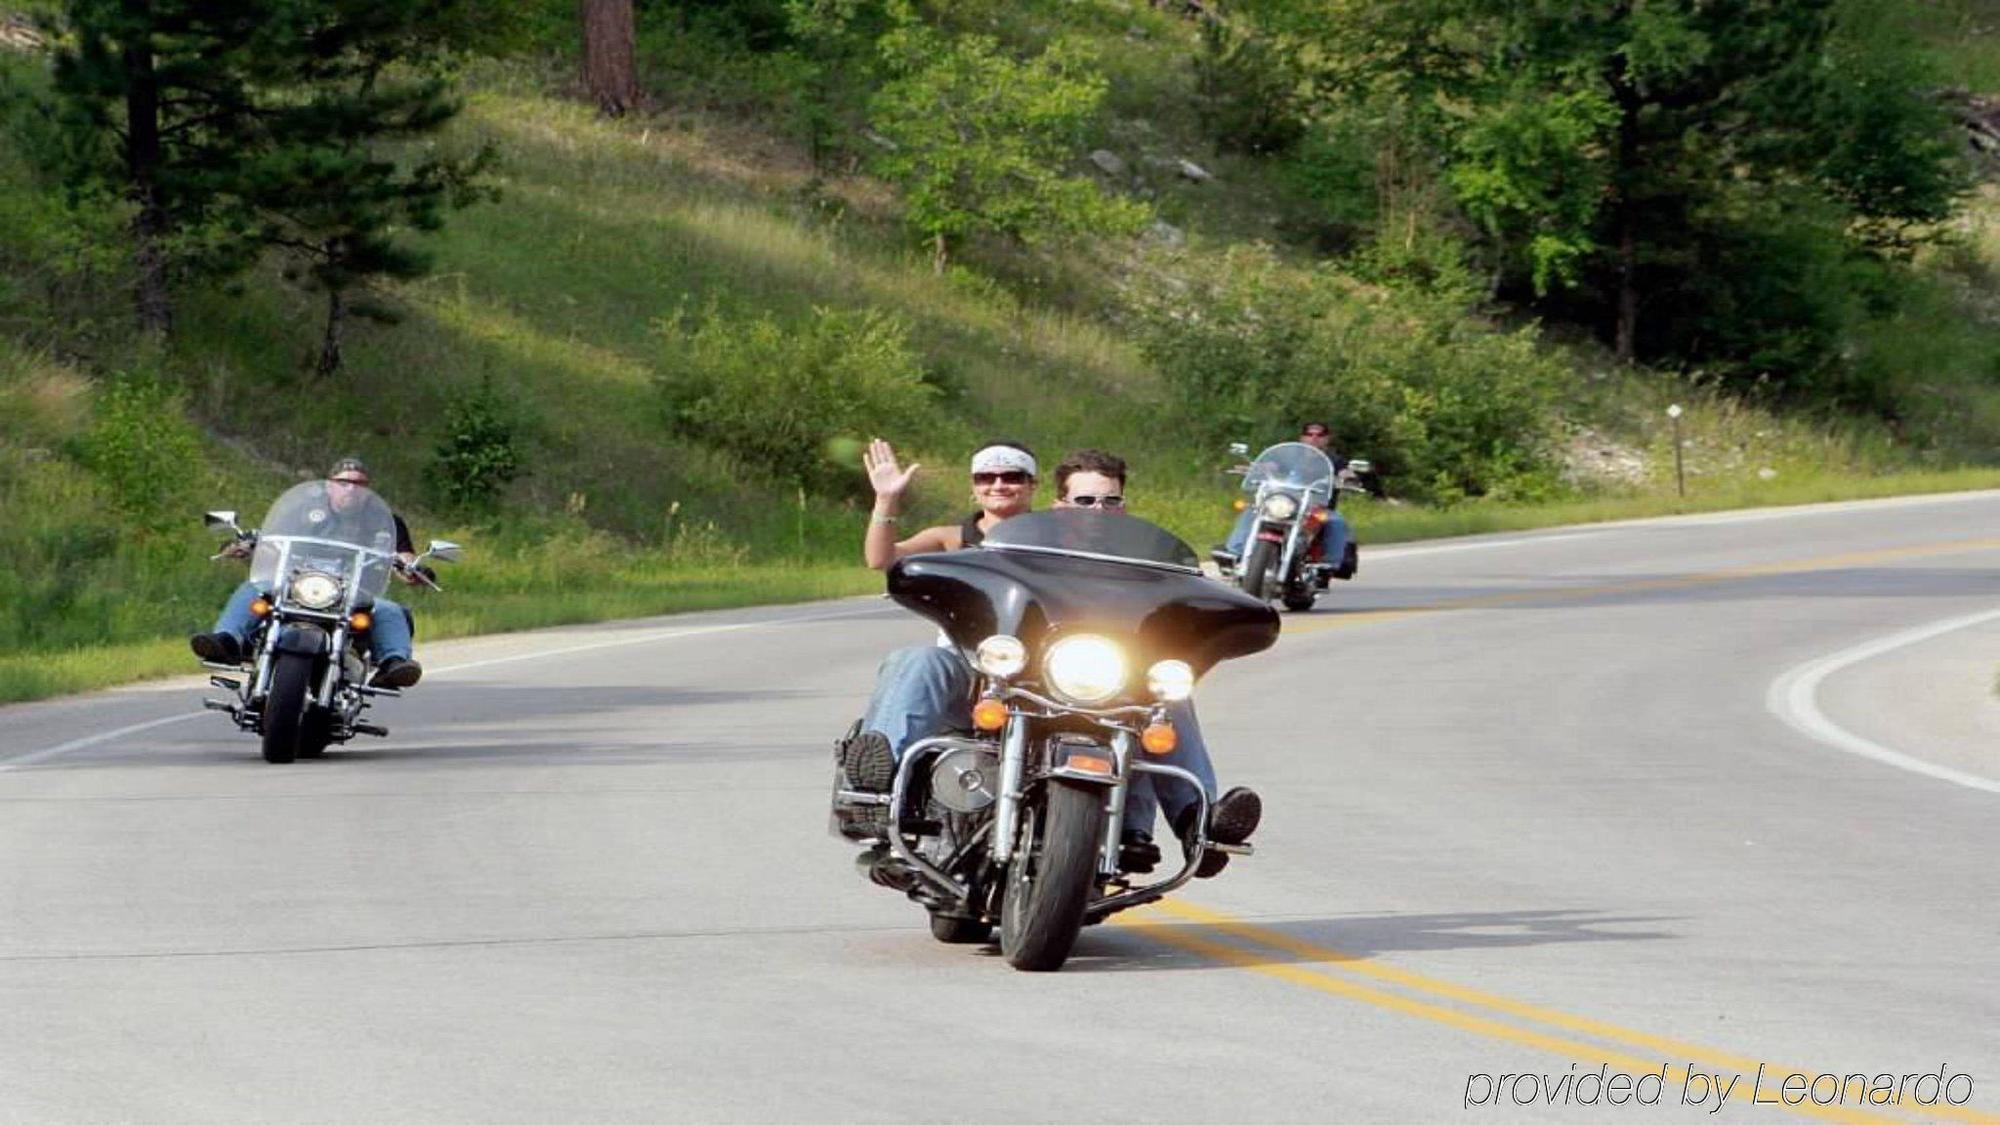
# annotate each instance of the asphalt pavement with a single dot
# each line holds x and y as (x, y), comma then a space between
(1567, 825)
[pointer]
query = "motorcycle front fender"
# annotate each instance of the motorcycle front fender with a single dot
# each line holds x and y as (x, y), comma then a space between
(306, 640)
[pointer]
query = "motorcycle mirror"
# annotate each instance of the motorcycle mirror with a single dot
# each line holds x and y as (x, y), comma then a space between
(444, 550)
(225, 520)
(1241, 449)
(1360, 466)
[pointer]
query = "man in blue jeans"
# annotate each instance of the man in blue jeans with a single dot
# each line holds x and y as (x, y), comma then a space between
(1332, 534)
(391, 634)
(926, 690)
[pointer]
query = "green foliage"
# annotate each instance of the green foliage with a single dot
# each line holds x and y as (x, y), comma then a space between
(780, 396)
(976, 139)
(236, 127)
(1446, 409)
(143, 450)
(480, 452)
(1612, 150)
(1250, 86)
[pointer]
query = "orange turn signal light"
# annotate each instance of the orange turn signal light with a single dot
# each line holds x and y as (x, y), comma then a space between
(989, 714)
(1321, 517)
(360, 621)
(261, 607)
(1240, 504)
(1089, 763)
(1160, 738)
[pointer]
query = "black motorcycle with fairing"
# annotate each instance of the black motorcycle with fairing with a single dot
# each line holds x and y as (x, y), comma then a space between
(319, 568)
(1082, 629)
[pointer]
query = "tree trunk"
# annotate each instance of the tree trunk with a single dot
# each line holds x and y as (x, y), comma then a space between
(152, 302)
(609, 73)
(336, 322)
(1625, 318)
(939, 253)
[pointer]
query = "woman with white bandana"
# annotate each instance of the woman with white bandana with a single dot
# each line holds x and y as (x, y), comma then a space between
(1003, 485)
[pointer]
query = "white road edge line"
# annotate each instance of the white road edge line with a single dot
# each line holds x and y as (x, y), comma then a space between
(1793, 697)
(35, 756)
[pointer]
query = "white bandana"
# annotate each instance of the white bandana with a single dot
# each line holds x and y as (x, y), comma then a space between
(1003, 458)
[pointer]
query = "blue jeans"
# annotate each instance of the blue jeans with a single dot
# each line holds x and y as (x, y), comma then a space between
(389, 636)
(1332, 536)
(926, 690)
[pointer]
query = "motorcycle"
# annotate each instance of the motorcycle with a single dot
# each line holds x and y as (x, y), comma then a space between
(1293, 489)
(1082, 629)
(319, 567)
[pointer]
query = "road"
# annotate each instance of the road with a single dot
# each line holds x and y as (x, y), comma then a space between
(1543, 804)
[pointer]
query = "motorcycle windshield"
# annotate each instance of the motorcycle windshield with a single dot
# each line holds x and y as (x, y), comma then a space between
(1291, 466)
(342, 530)
(1069, 571)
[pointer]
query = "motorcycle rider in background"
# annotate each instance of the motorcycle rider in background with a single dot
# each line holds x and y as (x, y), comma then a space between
(392, 632)
(1332, 534)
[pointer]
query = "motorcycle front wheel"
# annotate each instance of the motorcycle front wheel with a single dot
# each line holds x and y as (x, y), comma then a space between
(1049, 880)
(1256, 572)
(285, 706)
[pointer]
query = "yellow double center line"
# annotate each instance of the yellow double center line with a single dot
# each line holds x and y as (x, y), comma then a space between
(1354, 977)
(1579, 1038)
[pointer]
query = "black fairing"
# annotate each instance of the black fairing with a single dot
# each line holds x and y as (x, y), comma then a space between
(1035, 592)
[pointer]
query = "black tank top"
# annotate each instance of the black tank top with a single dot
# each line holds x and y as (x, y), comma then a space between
(970, 534)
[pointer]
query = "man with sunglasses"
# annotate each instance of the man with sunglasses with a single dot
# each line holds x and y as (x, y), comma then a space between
(391, 634)
(1332, 533)
(1093, 480)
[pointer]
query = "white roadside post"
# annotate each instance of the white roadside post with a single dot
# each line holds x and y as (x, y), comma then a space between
(1680, 473)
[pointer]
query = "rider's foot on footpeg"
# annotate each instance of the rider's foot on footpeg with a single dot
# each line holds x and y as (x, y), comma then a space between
(396, 672)
(1235, 816)
(218, 648)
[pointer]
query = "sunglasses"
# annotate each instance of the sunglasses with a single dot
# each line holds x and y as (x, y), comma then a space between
(1011, 476)
(349, 482)
(1112, 501)
(1314, 433)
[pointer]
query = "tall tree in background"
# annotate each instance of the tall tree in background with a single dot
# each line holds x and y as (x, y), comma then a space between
(1618, 148)
(234, 126)
(324, 187)
(149, 93)
(610, 75)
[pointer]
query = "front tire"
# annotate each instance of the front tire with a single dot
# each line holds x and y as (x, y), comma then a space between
(1299, 603)
(285, 707)
(1256, 572)
(1049, 880)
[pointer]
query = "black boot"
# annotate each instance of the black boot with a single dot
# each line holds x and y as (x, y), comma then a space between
(397, 672)
(217, 648)
(1231, 820)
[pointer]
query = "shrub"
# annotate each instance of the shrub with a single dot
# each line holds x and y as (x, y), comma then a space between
(1447, 408)
(143, 450)
(780, 396)
(479, 453)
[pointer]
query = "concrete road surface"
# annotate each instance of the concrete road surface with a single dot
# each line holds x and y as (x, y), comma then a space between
(1575, 825)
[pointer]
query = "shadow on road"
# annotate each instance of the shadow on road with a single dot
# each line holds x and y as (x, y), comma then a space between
(1150, 945)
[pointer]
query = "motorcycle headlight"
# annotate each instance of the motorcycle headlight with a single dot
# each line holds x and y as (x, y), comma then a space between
(1085, 668)
(314, 590)
(1001, 656)
(1171, 680)
(1279, 506)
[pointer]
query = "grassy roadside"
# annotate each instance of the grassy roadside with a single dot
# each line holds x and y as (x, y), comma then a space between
(513, 595)
(473, 604)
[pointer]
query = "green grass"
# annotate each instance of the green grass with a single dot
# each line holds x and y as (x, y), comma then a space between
(495, 599)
